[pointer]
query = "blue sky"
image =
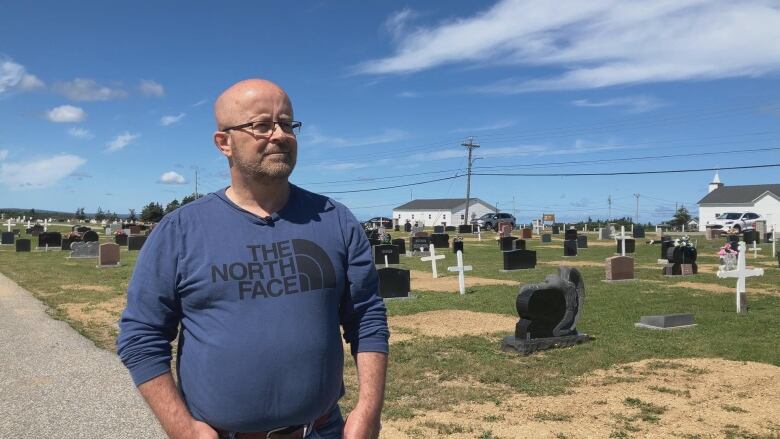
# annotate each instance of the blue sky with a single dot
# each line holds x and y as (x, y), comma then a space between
(111, 107)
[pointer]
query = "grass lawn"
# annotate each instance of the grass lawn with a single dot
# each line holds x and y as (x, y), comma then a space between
(421, 368)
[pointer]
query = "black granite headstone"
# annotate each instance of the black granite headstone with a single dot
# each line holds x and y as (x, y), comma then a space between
(23, 245)
(465, 228)
(438, 229)
(397, 228)
(519, 260)
(135, 242)
(401, 244)
(120, 239)
(67, 241)
(8, 238)
(548, 313)
(630, 245)
(750, 236)
(570, 234)
(582, 241)
(407, 227)
(639, 232)
(518, 244)
(505, 243)
(52, 239)
(556, 230)
(457, 245)
(440, 240)
(570, 247)
(389, 250)
(90, 236)
(83, 229)
(416, 242)
(665, 245)
(394, 282)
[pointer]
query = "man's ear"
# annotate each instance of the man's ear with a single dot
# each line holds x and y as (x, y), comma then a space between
(223, 143)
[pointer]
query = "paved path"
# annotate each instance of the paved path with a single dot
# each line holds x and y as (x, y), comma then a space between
(54, 383)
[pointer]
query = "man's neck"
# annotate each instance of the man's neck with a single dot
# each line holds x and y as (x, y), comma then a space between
(263, 198)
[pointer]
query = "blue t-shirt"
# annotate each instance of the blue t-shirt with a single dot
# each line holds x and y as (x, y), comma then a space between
(260, 302)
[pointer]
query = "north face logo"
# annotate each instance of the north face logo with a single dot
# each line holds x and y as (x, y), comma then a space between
(284, 267)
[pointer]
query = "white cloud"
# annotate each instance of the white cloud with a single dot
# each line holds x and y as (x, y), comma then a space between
(80, 133)
(36, 174)
(313, 136)
(172, 177)
(598, 43)
(170, 120)
(3, 154)
(147, 87)
(121, 141)
(14, 76)
(635, 104)
(199, 103)
(407, 94)
(66, 114)
(31, 82)
(82, 89)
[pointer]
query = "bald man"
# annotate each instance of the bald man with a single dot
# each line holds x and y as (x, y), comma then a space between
(256, 280)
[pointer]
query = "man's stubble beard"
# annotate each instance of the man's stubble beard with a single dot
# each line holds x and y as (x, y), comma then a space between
(267, 168)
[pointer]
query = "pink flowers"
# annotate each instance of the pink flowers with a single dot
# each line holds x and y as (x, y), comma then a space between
(726, 250)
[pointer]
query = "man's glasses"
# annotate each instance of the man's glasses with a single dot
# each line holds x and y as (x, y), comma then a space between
(265, 128)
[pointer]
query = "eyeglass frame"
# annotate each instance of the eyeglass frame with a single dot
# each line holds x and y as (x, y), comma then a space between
(292, 123)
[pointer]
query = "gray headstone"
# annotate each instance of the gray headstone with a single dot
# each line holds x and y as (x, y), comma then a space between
(667, 321)
(84, 250)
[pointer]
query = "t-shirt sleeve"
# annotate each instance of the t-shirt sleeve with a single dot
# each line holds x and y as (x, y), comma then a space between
(150, 321)
(363, 313)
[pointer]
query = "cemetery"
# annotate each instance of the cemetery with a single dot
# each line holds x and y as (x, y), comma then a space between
(492, 332)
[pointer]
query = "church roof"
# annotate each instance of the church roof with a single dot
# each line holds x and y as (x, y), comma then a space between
(439, 204)
(740, 194)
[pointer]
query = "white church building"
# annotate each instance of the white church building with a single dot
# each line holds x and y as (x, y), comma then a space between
(440, 211)
(763, 199)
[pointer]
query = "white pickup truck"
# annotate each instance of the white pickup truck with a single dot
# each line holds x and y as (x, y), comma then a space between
(735, 220)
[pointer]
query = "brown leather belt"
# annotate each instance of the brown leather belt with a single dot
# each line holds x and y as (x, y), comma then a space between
(287, 433)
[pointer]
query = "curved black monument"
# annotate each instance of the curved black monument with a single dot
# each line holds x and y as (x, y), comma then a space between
(548, 313)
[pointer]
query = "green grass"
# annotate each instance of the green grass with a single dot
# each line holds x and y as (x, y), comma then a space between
(419, 367)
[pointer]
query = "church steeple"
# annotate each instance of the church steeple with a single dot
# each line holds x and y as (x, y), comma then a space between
(715, 182)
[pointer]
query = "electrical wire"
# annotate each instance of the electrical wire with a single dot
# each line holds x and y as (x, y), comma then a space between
(585, 174)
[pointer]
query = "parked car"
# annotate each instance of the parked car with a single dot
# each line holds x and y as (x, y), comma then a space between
(378, 221)
(490, 220)
(735, 220)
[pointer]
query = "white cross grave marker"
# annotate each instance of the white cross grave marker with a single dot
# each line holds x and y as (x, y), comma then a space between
(479, 233)
(755, 249)
(774, 240)
(622, 240)
(433, 257)
(741, 273)
(386, 264)
(8, 224)
(28, 224)
(461, 269)
(45, 225)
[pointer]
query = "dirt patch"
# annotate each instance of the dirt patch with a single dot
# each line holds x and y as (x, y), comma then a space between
(448, 323)
(650, 398)
(424, 281)
(574, 263)
(92, 313)
(95, 288)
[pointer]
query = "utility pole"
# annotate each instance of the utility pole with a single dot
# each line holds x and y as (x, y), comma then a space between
(636, 219)
(470, 145)
(196, 183)
(609, 215)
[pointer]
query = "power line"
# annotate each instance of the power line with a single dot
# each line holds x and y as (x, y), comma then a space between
(399, 185)
(585, 174)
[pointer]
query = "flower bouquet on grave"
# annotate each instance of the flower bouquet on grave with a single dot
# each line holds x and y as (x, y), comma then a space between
(683, 251)
(458, 238)
(119, 232)
(387, 239)
(73, 236)
(728, 257)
